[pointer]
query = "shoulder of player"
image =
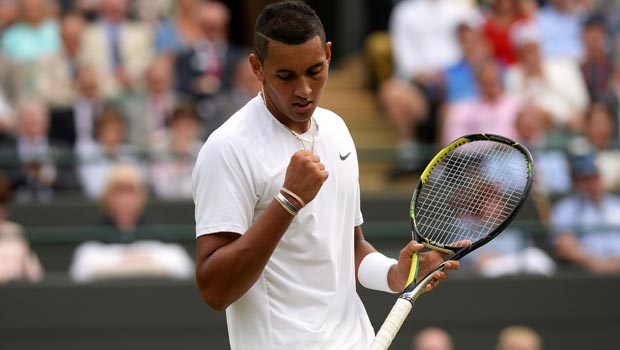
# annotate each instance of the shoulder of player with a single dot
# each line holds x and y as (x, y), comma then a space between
(323, 115)
(243, 123)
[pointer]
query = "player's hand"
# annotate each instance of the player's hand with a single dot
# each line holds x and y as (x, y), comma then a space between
(305, 175)
(427, 261)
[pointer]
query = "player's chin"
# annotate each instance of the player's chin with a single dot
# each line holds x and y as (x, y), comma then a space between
(304, 110)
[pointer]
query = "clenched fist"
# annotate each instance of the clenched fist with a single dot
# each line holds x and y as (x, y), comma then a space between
(305, 175)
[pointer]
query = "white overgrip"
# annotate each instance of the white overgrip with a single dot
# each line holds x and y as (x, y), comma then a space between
(391, 325)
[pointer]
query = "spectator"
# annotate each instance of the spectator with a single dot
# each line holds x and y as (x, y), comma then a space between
(56, 74)
(124, 250)
(518, 338)
(97, 159)
(245, 86)
(423, 45)
(150, 11)
(118, 49)
(171, 168)
(611, 11)
(497, 27)
(600, 133)
(460, 80)
(556, 85)
(494, 111)
(586, 224)
(552, 175)
(18, 261)
(432, 338)
(9, 13)
(123, 199)
(205, 69)
(181, 30)
(512, 253)
(149, 111)
(597, 65)
(559, 23)
(74, 124)
(41, 167)
(527, 9)
(34, 35)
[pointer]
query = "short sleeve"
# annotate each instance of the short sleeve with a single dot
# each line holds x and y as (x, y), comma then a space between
(223, 191)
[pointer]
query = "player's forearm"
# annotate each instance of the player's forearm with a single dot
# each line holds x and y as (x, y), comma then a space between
(233, 269)
(361, 246)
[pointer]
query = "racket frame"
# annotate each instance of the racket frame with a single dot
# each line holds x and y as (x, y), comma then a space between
(414, 289)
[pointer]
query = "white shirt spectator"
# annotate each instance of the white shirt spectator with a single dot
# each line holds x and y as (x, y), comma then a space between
(424, 34)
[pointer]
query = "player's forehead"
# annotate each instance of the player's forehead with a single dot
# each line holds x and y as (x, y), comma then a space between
(281, 56)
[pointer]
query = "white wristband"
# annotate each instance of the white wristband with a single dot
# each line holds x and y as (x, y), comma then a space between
(373, 272)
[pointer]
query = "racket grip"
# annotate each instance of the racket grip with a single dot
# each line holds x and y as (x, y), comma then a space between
(391, 325)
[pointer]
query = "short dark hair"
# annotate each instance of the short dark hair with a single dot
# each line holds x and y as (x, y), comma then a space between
(288, 22)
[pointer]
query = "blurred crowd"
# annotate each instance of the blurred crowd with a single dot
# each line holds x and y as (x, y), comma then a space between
(86, 85)
(543, 72)
(512, 337)
(110, 101)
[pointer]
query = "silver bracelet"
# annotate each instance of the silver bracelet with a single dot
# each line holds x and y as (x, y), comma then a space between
(287, 205)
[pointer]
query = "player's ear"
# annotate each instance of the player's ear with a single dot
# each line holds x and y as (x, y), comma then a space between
(328, 51)
(257, 66)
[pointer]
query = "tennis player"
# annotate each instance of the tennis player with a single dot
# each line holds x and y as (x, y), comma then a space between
(276, 188)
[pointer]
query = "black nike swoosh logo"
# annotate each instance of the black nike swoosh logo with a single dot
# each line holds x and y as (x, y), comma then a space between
(345, 156)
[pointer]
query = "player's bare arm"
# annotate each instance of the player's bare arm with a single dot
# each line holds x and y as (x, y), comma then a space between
(228, 264)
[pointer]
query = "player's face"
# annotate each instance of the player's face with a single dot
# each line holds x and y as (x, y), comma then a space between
(293, 78)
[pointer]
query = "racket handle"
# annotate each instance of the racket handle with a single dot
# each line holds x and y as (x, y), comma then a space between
(391, 325)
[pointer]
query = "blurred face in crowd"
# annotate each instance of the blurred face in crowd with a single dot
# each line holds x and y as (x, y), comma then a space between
(563, 5)
(113, 10)
(159, 77)
(594, 40)
(34, 11)
(33, 121)
(527, 8)
(71, 33)
(432, 339)
(244, 79)
(184, 131)
(529, 55)
(489, 81)
(87, 83)
(186, 6)
(124, 199)
(519, 338)
(473, 45)
(214, 21)
(110, 133)
(532, 122)
(504, 7)
(8, 12)
(599, 127)
(591, 186)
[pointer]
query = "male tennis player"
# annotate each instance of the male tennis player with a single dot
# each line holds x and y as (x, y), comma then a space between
(277, 197)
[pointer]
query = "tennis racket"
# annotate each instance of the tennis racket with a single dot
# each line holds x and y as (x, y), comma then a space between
(467, 195)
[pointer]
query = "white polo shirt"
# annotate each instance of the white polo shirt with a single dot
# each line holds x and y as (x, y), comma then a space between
(305, 298)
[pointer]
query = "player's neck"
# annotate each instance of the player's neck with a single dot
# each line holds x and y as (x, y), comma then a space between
(297, 127)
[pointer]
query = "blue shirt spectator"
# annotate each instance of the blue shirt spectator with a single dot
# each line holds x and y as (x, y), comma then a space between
(560, 30)
(460, 82)
(26, 43)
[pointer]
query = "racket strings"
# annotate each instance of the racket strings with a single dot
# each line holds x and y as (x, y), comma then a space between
(470, 192)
